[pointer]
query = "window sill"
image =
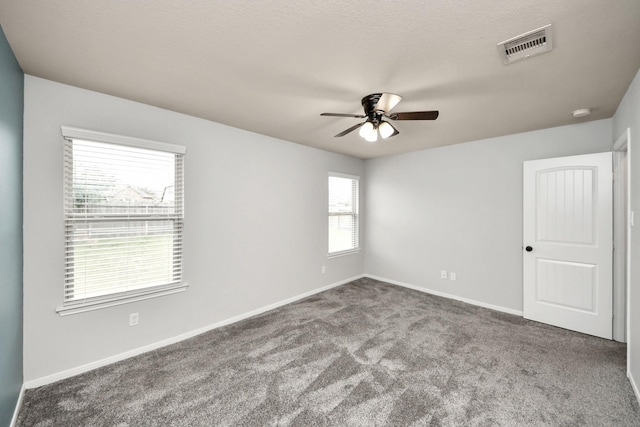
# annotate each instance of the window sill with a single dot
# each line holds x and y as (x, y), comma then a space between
(97, 305)
(343, 253)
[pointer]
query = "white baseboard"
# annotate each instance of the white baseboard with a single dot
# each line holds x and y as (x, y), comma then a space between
(38, 382)
(14, 419)
(634, 386)
(445, 295)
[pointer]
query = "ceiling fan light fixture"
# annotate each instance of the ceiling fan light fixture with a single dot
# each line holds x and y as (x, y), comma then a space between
(373, 136)
(368, 132)
(386, 130)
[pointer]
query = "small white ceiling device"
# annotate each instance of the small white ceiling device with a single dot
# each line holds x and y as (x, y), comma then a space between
(583, 112)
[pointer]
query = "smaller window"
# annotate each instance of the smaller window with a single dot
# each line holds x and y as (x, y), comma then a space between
(343, 214)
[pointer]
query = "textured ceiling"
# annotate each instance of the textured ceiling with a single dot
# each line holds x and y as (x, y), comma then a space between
(272, 67)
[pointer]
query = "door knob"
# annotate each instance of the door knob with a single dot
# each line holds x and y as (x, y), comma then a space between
(528, 249)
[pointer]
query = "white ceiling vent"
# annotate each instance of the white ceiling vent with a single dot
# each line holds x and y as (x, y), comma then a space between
(526, 45)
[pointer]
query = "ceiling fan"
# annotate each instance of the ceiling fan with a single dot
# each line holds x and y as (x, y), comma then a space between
(377, 107)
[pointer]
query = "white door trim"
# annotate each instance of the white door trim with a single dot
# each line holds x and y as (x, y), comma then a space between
(625, 138)
(620, 235)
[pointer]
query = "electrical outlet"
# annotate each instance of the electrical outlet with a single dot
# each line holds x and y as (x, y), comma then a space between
(452, 276)
(133, 319)
(443, 274)
(324, 269)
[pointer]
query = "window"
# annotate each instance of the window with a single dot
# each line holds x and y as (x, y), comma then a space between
(343, 214)
(123, 204)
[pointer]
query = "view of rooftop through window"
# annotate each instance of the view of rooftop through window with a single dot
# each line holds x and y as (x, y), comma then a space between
(108, 177)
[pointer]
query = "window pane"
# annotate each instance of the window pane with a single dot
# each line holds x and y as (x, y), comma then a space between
(342, 233)
(113, 179)
(110, 257)
(341, 194)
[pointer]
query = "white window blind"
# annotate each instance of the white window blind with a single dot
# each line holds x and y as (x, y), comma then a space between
(343, 214)
(123, 218)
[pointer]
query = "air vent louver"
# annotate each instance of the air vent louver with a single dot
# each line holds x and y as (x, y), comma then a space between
(526, 45)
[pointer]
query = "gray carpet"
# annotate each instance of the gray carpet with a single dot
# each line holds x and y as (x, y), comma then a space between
(363, 354)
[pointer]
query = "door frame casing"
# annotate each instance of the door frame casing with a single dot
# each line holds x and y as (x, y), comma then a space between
(621, 185)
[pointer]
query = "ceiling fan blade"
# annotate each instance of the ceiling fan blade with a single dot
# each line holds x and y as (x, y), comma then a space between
(357, 116)
(351, 129)
(387, 101)
(415, 115)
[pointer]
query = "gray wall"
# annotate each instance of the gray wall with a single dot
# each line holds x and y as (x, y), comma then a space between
(11, 105)
(628, 116)
(459, 208)
(255, 226)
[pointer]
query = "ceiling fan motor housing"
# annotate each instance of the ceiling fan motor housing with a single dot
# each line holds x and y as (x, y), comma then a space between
(369, 104)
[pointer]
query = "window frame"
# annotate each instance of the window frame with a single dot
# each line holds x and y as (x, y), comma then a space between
(355, 215)
(70, 134)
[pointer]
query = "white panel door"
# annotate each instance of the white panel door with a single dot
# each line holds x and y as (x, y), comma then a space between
(568, 235)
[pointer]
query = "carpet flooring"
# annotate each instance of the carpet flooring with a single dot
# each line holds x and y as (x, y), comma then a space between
(363, 354)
